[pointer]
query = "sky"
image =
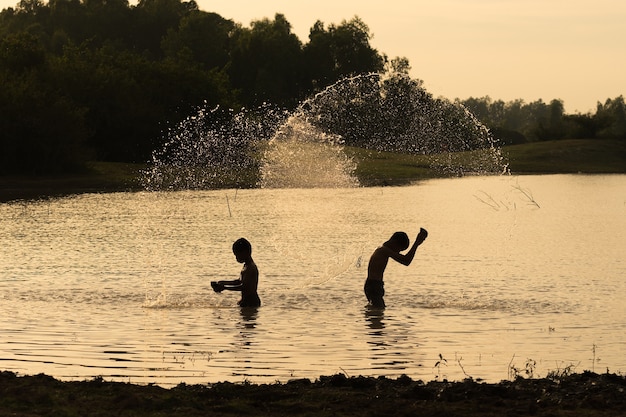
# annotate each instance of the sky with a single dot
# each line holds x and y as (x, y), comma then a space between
(572, 50)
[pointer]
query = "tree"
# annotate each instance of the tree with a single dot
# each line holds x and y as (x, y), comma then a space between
(548, 120)
(42, 131)
(266, 63)
(580, 126)
(340, 51)
(31, 7)
(202, 38)
(154, 18)
(21, 52)
(611, 118)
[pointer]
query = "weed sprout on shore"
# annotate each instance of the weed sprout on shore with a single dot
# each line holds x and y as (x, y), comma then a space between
(441, 362)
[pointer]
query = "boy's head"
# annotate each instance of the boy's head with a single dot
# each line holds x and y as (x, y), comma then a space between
(242, 249)
(400, 240)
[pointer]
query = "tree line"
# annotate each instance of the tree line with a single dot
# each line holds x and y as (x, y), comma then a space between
(103, 80)
(519, 122)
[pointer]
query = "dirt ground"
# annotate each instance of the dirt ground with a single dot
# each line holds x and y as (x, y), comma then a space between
(585, 394)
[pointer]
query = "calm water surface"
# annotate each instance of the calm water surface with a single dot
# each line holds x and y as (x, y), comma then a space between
(518, 274)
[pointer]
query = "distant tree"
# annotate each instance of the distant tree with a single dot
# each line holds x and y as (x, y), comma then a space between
(70, 17)
(580, 126)
(154, 18)
(110, 21)
(202, 38)
(131, 99)
(398, 65)
(21, 52)
(42, 131)
(340, 51)
(481, 107)
(611, 119)
(31, 7)
(516, 121)
(266, 63)
(548, 120)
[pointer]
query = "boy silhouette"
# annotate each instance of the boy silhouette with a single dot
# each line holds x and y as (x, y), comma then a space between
(374, 287)
(248, 279)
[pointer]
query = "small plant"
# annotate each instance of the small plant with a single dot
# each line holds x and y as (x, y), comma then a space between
(458, 360)
(528, 371)
(593, 363)
(488, 200)
(441, 362)
(558, 374)
(527, 194)
(530, 367)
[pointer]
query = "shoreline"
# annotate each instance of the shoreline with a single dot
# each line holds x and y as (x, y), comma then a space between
(585, 394)
(575, 156)
(16, 190)
(32, 189)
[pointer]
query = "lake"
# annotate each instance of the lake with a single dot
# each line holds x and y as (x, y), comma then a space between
(520, 275)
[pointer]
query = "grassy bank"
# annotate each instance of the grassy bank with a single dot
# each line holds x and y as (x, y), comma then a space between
(590, 156)
(99, 177)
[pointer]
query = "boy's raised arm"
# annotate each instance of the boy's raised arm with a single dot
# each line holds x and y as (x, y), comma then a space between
(407, 258)
(421, 236)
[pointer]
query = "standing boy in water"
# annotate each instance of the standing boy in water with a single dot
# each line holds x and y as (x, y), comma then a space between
(248, 279)
(399, 241)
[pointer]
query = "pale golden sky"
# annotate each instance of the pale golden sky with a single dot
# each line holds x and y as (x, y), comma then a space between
(574, 50)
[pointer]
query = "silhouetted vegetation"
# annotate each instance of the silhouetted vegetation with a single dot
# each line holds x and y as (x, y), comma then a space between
(517, 122)
(103, 80)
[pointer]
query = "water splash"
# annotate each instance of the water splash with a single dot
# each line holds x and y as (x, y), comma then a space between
(301, 155)
(275, 148)
(214, 148)
(394, 113)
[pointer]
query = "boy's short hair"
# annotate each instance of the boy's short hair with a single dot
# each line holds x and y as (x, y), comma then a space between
(401, 239)
(242, 246)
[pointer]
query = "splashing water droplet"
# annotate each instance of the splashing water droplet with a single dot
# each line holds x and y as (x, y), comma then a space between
(274, 148)
(302, 156)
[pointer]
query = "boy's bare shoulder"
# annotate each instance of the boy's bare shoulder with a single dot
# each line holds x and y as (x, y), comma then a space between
(251, 268)
(383, 251)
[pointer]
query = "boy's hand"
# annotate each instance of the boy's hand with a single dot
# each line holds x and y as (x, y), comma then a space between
(217, 287)
(423, 234)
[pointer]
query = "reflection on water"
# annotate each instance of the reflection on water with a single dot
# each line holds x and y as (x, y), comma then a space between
(515, 268)
(375, 320)
(248, 316)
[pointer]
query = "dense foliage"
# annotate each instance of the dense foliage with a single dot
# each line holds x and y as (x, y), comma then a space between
(104, 80)
(101, 79)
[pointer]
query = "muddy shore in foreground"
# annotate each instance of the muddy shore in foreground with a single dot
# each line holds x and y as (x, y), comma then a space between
(585, 394)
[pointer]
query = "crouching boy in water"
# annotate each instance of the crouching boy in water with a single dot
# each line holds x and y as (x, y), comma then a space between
(399, 241)
(248, 280)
